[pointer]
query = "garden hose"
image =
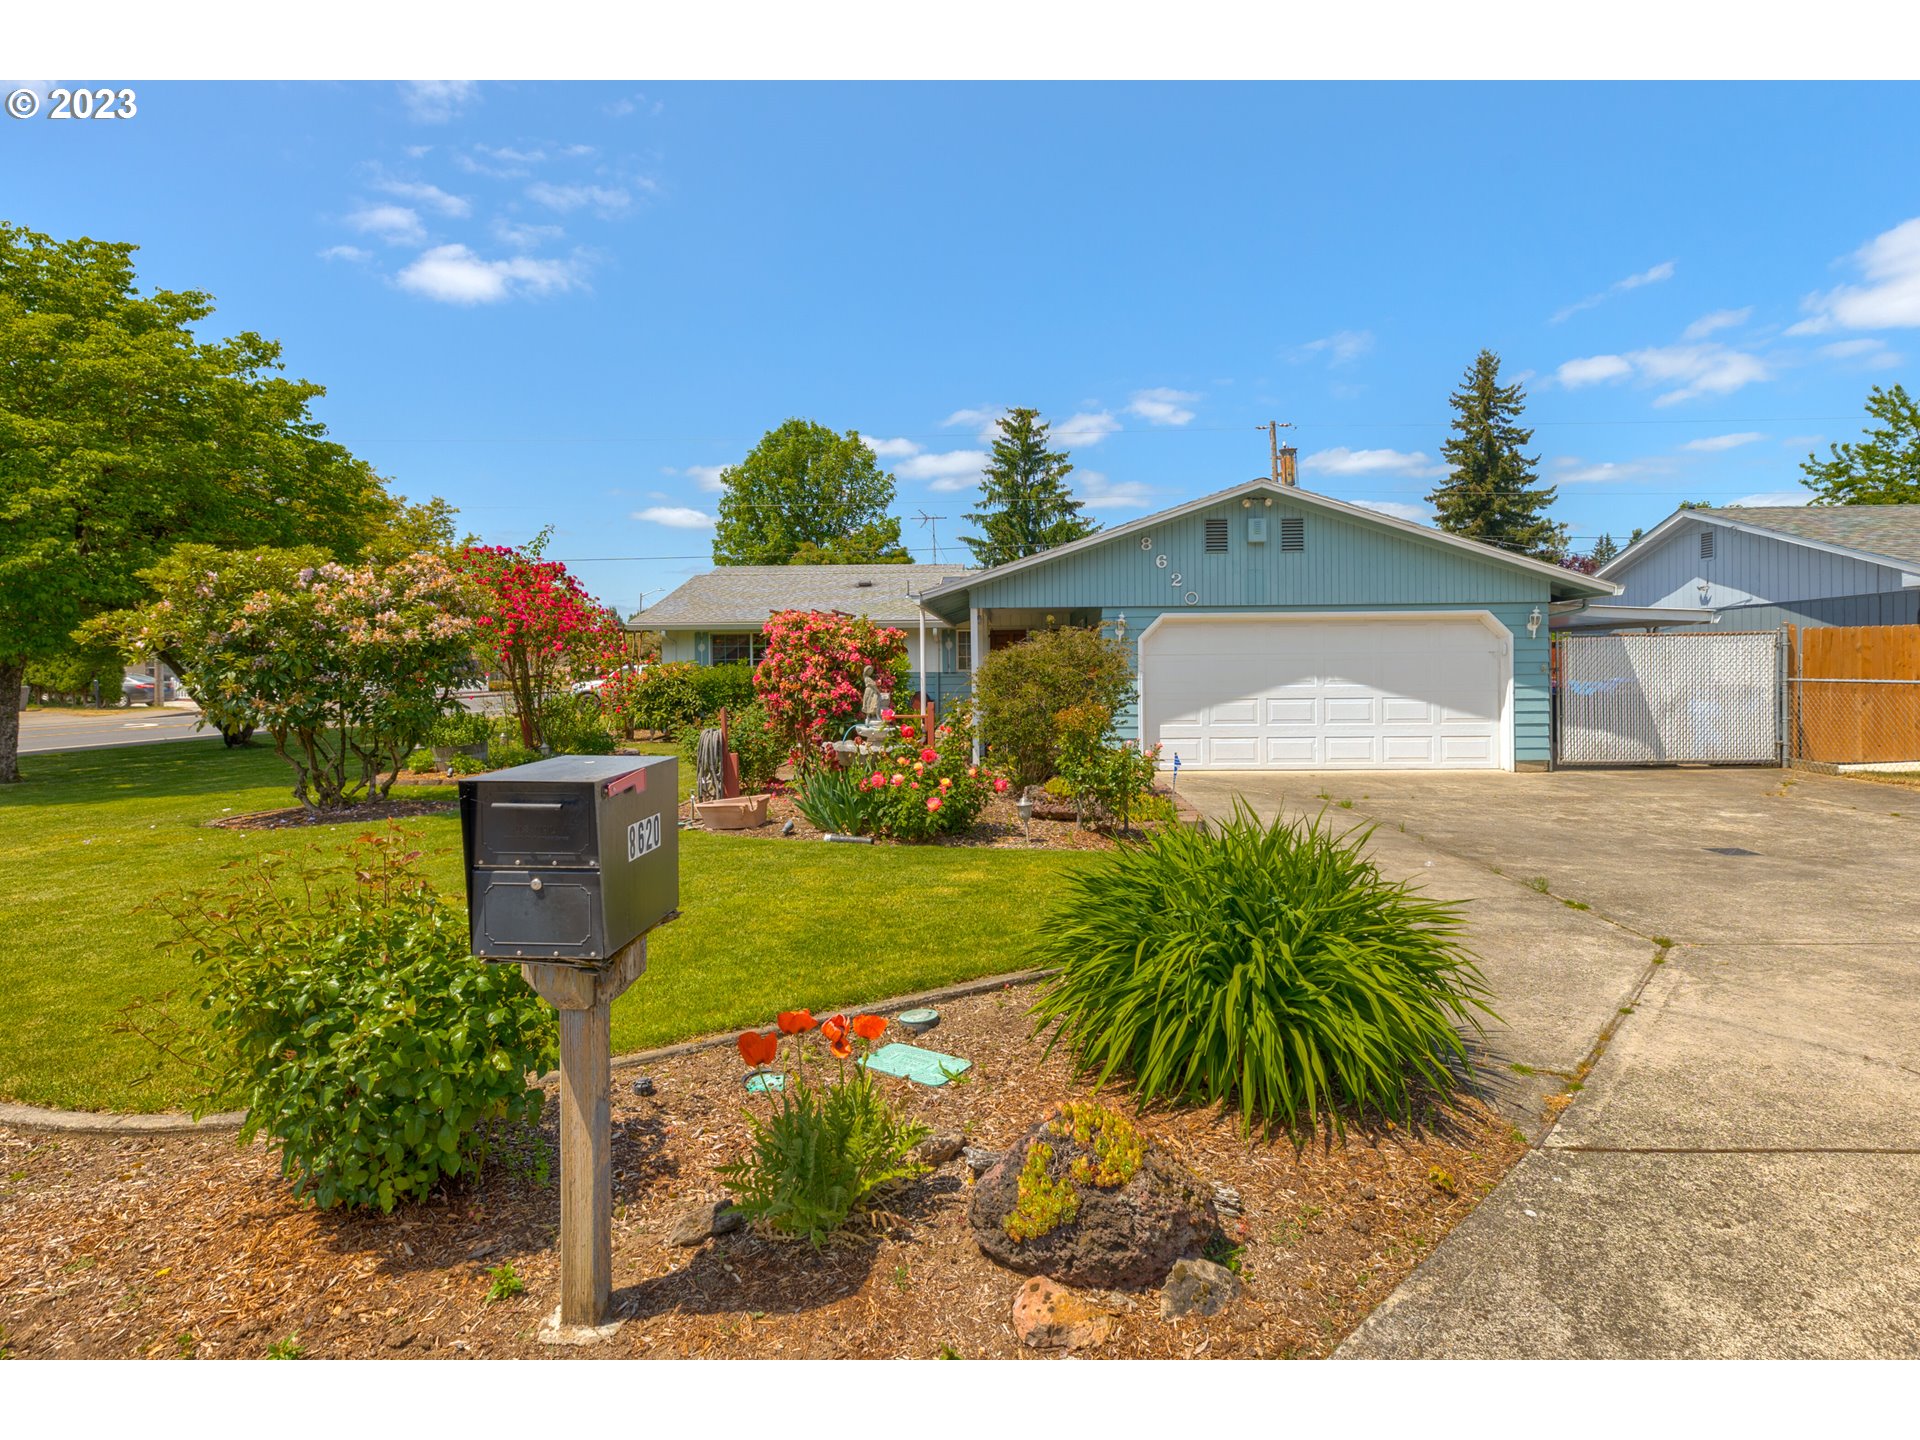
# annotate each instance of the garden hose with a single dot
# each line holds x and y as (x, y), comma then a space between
(708, 766)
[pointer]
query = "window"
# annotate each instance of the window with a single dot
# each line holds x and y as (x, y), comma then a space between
(963, 649)
(1293, 533)
(1706, 544)
(1217, 537)
(743, 648)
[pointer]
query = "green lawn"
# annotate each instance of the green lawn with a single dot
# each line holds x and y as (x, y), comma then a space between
(88, 838)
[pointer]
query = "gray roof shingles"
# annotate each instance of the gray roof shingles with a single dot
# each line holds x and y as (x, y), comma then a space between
(748, 594)
(1889, 530)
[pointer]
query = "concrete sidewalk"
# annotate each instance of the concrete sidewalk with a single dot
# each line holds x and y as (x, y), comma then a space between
(1739, 1173)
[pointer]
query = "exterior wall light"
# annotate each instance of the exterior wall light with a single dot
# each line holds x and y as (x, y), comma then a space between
(1533, 624)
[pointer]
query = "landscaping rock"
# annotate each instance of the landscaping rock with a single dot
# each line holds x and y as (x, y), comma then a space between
(1198, 1287)
(644, 1086)
(700, 1222)
(980, 1161)
(1226, 1200)
(1085, 1198)
(1047, 1316)
(939, 1148)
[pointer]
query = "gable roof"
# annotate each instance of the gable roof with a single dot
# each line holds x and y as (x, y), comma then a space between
(1880, 534)
(1568, 584)
(745, 595)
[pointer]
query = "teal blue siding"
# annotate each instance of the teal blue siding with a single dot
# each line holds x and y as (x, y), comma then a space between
(1532, 693)
(1346, 563)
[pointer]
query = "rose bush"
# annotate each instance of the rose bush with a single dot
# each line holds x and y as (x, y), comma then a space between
(914, 788)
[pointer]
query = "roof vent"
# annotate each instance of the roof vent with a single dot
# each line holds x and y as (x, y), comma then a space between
(1706, 544)
(863, 584)
(1293, 532)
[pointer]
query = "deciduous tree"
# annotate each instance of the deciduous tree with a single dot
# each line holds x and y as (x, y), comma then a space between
(1883, 467)
(806, 496)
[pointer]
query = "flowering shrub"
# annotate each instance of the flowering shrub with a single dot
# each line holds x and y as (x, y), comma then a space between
(541, 627)
(915, 788)
(1106, 782)
(827, 1145)
(346, 668)
(809, 678)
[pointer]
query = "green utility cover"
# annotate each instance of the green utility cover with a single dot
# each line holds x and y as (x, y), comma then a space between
(910, 1062)
(762, 1081)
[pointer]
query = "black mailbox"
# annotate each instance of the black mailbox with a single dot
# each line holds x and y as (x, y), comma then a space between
(572, 858)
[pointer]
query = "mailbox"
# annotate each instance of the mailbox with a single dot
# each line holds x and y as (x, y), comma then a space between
(572, 858)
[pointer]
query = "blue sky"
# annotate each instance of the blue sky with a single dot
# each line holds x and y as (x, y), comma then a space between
(570, 303)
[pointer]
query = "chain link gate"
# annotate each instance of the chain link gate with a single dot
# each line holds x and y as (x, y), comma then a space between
(1700, 698)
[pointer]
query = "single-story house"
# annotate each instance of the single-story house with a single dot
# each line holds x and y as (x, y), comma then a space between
(1270, 627)
(716, 618)
(1759, 567)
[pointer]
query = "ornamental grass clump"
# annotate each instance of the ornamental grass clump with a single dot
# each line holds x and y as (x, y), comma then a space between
(1264, 966)
(829, 1143)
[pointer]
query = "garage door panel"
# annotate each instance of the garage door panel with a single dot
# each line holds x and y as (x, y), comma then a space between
(1334, 693)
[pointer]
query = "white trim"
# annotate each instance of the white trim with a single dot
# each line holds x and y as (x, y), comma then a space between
(1265, 486)
(1646, 544)
(1486, 618)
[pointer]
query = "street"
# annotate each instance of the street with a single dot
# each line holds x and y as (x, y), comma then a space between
(42, 731)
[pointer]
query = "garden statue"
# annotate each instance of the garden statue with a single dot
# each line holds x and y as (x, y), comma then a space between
(869, 696)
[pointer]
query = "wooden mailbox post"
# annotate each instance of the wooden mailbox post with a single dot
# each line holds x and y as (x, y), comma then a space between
(570, 863)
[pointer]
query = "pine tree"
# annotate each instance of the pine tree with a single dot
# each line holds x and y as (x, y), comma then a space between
(1493, 494)
(1025, 506)
(1604, 549)
(1884, 468)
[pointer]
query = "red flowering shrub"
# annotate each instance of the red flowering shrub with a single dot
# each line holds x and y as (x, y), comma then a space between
(540, 626)
(908, 790)
(809, 678)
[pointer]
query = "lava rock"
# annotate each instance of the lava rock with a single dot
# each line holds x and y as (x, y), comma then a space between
(701, 1221)
(1126, 1237)
(939, 1148)
(980, 1161)
(1047, 1316)
(1197, 1287)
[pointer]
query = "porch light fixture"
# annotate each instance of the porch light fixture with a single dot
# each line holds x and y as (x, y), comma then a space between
(1025, 806)
(1120, 626)
(1533, 623)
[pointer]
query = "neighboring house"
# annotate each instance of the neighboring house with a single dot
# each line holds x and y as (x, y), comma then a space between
(1272, 628)
(1759, 567)
(716, 618)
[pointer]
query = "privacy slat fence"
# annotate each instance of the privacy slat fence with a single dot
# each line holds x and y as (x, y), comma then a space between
(1690, 698)
(1855, 694)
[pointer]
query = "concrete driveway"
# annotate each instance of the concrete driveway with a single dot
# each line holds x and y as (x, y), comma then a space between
(1737, 1171)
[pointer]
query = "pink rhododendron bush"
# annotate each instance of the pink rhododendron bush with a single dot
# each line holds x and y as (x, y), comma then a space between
(809, 678)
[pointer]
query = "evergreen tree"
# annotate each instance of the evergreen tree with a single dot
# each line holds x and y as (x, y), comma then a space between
(1025, 506)
(1492, 493)
(1604, 550)
(1884, 468)
(806, 496)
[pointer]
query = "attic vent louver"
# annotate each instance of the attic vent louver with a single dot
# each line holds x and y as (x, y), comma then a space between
(863, 584)
(1216, 537)
(1706, 544)
(1293, 533)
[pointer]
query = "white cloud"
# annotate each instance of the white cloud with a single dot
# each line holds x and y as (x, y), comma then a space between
(1097, 492)
(501, 162)
(434, 102)
(676, 517)
(564, 198)
(1724, 442)
(417, 152)
(346, 252)
(1161, 406)
(946, 470)
(1716, 320)
(891, 449)
(1888, 298)
(1867, 353)
(984, 418)
(1340, 348)
(1418, 514)
(632, 105)
(1570, 470)
(707, 477)
(395, 224)
(1084, 429)
(431, 196)
(525, 237)
(454, 274)
(1592, 370)
(1776, 497)
(1652, 275)
(1341, 461)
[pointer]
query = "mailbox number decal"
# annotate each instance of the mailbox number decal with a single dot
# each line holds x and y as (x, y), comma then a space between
(643, 837)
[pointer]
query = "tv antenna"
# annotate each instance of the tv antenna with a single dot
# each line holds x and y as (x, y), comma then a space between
(930, 521)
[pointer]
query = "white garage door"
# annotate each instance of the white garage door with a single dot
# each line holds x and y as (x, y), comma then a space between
(1326, 693)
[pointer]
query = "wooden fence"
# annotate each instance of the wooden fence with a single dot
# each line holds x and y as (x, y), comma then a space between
(1855, 693)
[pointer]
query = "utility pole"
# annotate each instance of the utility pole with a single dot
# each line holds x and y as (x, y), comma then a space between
(1283, 473)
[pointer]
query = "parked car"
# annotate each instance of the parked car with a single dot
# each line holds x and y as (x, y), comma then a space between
(590, 687)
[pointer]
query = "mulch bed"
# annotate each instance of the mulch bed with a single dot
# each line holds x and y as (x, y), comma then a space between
(187, 1245)
(298, 816)
(997, 827)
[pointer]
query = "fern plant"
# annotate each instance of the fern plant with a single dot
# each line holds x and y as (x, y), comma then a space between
(1268, 966)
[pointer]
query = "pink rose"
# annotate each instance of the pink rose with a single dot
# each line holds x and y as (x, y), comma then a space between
(899, 779)
(933, 804)
(930, 756)
(1000, 787)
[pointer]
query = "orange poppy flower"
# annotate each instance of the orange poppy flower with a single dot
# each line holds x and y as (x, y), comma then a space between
(758, 1047)
(795, 1022)
(868, 1027)
(835, 1031)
